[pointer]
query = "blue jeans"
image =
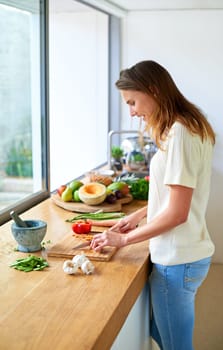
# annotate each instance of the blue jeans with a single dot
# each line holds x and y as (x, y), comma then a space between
(173, 290)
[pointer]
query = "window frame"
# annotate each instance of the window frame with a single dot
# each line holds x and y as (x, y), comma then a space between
(35, 198)
(114, 112)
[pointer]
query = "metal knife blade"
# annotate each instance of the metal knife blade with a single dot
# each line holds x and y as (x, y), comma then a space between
(82, 245)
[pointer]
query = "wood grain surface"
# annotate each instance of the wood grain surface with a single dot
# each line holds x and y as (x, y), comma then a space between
(79, 207)
(66, 248)
(51, 310)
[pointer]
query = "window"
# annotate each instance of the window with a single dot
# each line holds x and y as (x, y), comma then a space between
(78, 56)
(49, 137)
(21, 98)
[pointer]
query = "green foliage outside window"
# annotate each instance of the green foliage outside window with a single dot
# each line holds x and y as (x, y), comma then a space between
(19, 160)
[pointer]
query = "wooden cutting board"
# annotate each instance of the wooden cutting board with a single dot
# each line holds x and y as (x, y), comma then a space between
(84, 208)
(64, 249)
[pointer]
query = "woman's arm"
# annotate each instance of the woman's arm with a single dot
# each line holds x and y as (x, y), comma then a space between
(175, 214)
(130, 221)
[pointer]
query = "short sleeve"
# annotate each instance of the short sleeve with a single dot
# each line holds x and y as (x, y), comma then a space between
(183, 157)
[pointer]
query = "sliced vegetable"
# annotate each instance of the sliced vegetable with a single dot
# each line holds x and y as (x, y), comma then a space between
(97, 216)
(81, 226)
(30, 263)
(92, 193)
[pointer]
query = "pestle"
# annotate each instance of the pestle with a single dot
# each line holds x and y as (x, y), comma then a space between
(19, 222)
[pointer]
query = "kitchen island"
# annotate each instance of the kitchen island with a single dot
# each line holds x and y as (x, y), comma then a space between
(51, 310)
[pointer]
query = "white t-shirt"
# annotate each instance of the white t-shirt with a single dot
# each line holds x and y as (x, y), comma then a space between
(184, 161)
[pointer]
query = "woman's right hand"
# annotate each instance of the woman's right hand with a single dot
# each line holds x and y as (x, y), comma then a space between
(124, 225)
(129, 222)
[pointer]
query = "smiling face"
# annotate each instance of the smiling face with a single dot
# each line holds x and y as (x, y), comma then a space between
(140, 104)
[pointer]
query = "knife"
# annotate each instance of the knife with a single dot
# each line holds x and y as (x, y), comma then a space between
(82, 245)
(88, 242)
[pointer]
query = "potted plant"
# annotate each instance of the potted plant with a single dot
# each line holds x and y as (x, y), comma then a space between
(117, 154)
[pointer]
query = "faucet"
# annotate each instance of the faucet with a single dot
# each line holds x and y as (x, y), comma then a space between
(110, 134)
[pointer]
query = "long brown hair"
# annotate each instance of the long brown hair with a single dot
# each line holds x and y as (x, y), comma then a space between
(151, 78)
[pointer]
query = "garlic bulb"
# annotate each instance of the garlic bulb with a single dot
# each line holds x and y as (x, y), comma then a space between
(87, 267)
(69, 267)
(79, 259)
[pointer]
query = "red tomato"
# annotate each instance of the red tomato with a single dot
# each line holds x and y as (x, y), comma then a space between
(146, 177)
(61, 189)
(81, 226)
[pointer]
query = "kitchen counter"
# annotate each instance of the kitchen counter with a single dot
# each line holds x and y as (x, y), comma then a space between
(51, 310)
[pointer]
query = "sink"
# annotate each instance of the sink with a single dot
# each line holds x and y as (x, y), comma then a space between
(149, 150)
(110, 135)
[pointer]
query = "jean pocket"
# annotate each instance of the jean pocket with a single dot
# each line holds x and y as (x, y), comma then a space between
(195, 273)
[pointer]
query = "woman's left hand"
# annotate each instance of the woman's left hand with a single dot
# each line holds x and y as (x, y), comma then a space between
(108, 238)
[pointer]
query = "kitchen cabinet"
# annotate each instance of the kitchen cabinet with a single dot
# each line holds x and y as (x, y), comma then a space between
(135, 332)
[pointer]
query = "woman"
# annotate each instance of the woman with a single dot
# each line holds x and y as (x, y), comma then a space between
(179, 242)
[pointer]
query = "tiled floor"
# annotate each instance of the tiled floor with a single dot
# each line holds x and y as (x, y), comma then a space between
(209, 311)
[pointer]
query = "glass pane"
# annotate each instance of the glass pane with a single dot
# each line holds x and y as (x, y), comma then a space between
(78, 48)
(20, 136)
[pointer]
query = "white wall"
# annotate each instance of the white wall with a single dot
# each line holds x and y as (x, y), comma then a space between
(189, 44)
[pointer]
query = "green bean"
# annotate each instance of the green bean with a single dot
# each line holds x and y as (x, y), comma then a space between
(30, 263)
(97, 216)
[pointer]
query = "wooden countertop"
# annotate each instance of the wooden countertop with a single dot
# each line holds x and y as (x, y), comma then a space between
(51, 310)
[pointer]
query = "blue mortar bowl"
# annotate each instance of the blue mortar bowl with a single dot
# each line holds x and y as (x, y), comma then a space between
(29, 238)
